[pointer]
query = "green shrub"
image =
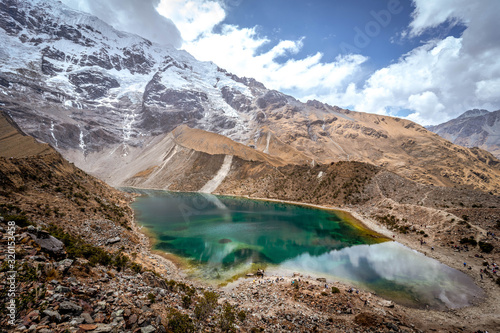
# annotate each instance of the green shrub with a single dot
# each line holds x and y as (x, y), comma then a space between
(486, 247)
(179, 323)
(227, 318)
(335, 290)
(206, 305)
(78, 248)
(151, 297)
(242, 315)
(20, 219)
(120, 261)
(186, 301)
(211, 297)
(171, 284)
(469, 240)
(190, 291)
(136, 267)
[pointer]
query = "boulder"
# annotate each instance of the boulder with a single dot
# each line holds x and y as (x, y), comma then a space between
(47, 242)
(69, 307)
(148, 329)
(53, 315)
(87, 318)
(113, 240)
(64, 265)
(387, 304)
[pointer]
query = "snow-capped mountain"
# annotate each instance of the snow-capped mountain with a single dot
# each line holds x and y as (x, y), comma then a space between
(474, 128)
(110, 86)
(107, 99)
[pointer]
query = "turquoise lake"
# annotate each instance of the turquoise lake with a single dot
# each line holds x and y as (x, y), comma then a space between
(220, 237)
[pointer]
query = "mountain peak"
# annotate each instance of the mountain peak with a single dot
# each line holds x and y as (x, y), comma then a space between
(473, 113)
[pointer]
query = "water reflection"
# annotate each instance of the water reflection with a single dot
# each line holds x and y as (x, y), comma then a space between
(392, 268)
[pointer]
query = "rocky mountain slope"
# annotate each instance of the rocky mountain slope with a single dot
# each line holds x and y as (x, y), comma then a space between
(35, 181)
(104, 98)
(474, 128)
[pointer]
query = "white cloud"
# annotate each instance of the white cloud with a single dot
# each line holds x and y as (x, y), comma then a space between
(430, 14)
(193, 17)
(238, 50)
(136, 16)
(489, 90)
(442, 78)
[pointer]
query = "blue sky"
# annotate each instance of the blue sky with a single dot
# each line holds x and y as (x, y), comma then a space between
(425, 60)
(327, 25)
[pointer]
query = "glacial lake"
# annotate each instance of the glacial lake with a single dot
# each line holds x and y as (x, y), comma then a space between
(221, 237)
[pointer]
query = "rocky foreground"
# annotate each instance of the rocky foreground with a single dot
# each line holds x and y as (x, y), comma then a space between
(58, 290)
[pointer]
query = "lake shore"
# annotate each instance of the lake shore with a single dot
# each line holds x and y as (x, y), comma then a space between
(484, 314)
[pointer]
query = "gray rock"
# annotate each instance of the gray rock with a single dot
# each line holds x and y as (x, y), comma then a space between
(387, 304)
(48, 242)
(113, 240)
(53, 315)
(103, 328)
(77, 321)
(62, 289)
(392, 326)
(69, 307)
(133, 319)
(148, 329)
(45, 330)
(64, 265)
(87, 318)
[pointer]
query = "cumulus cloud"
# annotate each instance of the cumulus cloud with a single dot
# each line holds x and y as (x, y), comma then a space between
(136, 16)
(442, 78)
(193, 17)
(237, 50)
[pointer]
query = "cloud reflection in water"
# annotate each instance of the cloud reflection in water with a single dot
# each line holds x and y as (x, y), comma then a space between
(392, 267)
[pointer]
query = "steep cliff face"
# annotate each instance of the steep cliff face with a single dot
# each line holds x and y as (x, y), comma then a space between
(103, 98)
(93, 86)
(474, 128)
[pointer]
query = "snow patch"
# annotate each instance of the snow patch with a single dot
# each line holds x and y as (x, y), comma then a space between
(52, 133)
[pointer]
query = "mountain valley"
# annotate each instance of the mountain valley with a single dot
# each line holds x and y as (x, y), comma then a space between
(86, 110)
